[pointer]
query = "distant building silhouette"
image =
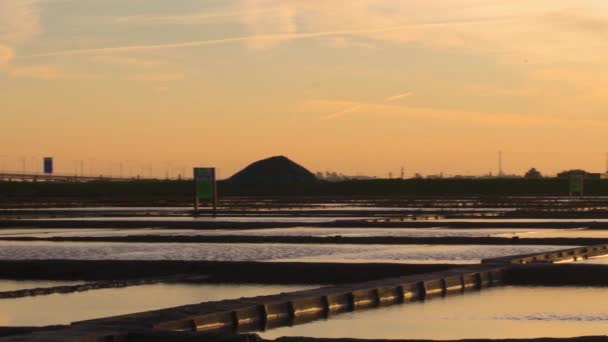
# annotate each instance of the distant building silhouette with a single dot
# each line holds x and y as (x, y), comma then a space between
(586, 175)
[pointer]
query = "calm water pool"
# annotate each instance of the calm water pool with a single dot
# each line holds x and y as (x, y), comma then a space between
(503, 312)
(67, 308)
(311, 231)
(459, 254)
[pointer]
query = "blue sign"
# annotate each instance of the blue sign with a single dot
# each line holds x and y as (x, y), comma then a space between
(48, 164)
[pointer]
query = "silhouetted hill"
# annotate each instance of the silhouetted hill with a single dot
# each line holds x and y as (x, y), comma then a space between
(274, 170)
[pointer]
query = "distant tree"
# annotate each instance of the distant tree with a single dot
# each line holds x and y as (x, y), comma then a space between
(533, 174)
(320, 175)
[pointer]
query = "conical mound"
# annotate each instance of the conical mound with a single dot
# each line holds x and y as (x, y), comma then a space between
(274, 170)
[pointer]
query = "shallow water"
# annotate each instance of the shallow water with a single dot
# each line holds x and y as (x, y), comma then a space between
(307, 219)
(312, 231)
(601, 260)
(294, 207)
(317, 219)
(13, 285)
(460, 254)
(67, 308)
(503, 312)
(299, 231)
(535, 220)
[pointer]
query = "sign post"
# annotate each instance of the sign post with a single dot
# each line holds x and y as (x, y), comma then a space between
(47, 165)
(205, 188)
(577, 185)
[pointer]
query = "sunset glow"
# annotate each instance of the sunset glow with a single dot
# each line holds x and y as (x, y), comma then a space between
(358, 87)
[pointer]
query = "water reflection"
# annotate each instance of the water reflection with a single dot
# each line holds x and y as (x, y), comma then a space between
(459, 254)
(310, 231)
(67, 308)
(506, 312)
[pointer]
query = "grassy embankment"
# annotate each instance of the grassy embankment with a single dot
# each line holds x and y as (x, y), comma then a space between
(160, 192)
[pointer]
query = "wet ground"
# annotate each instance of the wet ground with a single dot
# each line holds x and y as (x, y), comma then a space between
(499, 313)
(67, 308)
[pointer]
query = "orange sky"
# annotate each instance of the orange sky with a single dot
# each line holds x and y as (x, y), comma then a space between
(359, 87)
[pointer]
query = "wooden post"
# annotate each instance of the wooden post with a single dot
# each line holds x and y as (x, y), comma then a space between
(214, 194)
(195, 194)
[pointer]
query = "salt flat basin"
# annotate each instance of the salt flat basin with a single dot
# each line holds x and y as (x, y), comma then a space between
(313, 219)
(67, 308)
(517, 220)
(455, 254)
(313, 207)
(307, 219)
(497, 313)
(298, 231)
(13, 285)
(312, 231)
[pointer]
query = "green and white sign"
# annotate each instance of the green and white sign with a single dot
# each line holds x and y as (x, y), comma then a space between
(204, 183)
(576, 185)
(205, 188)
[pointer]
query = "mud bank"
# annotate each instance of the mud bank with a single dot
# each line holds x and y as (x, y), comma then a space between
(558, 275)
(213, 271)
(221, 223)
(42, 291)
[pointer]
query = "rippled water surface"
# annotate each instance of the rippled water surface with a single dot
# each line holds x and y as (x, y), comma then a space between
(306, 219)
(310, 207)
(67, 308)
(503, 312)
(312, 231)
(261, 252)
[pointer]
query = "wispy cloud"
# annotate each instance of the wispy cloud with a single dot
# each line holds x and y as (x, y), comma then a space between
(126, 61)
(579, 21)
(6, 55)
(47, 73)
(341, 42)
(191, 18)
(398, 96)
(354, 107)
(156, 77)
(383, 110)
(19, 24)
(351, 108)
(19, 20)
(257, 40)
